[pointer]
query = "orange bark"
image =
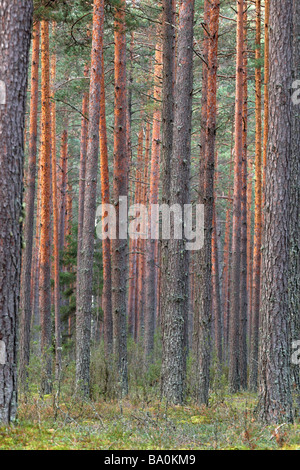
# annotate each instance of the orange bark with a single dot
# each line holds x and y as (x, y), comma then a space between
(120, 189)
(142, 242)
(106, 243)
(26, 274)
(55, 219)
(152, 245)
(45, 162)
(135, 267)
(234, 321)
(258, 210)
(266, 91)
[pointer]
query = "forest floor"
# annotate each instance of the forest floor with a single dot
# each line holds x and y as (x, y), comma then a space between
(227, 424)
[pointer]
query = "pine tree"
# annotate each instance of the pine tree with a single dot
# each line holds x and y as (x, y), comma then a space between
(175, 307)
(45, 240)
(27, 271)
(15, 30)
(275, 400)
(85, 271)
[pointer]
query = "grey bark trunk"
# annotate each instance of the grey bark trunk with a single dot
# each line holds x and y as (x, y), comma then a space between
(15, 28)
(176, 306)
(275, 401)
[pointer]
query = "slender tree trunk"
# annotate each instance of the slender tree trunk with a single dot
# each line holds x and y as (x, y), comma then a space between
(15, 29)
(266, 92)
(168, 39)
(151, 285)
(226, 259)
(234, 323)
(106, 243)
(85, 273)
(253, 379)
(275, 400)
(175, 307)
(25, 298)
(63, 184)
(203, 305)
(36, 321)
(142, 244)
(45, 253)
(211, 154)
(83, 150)
(249, 246)
(120, 189)
(217, 312)
(55, 223)
(135, 245)
(244, 267)
(226, 280)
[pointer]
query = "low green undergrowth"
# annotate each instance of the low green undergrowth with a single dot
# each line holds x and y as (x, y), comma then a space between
(49, 423)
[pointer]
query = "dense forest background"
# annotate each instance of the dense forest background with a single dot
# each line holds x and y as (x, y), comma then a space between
(169, 102)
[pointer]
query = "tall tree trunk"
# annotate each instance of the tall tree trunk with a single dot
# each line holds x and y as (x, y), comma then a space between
(226, 280)
(217, 312)
(253, 379)
(142, 241)
(15, 30)
(210, 151)
(85, 273)
(249, 245)
(106, 243)
(83, 150)
(175, 307)
(120, 189)
(203, 304)
(45, 254)
(244, 267)
(234, 323)
(266, 92)
(226, 258)
(25, 298)
(275, 400)
(294, 275)
(63, 184)
(151, 285)
(36, 320)
(168, 39)
(55, 222)
(134, 244)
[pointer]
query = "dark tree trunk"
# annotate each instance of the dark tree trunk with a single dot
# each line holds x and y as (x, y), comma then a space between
(275, 401)
(176, 306)
(294, 275)
(168, 39)
(202, 316)
(85, 272)
(203, 303)
(15, 29)
(244, 232)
